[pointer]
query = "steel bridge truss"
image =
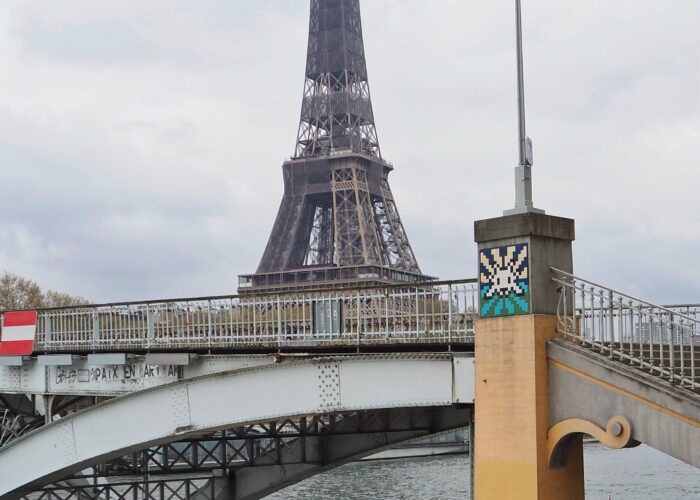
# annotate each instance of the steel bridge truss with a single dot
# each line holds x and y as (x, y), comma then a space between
(203, 467)
(159, 489)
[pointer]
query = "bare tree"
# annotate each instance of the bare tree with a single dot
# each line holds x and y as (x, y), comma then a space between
(17, 292)
(53, 298)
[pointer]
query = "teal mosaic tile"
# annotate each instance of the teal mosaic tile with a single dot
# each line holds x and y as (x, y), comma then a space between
(504, 281)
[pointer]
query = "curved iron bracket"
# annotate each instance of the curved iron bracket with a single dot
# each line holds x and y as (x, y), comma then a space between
(616, 435)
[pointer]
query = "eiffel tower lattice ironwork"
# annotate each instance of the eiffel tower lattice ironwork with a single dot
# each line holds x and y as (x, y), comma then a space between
(338, 223)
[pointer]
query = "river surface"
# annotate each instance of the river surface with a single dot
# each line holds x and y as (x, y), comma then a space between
(634, 474)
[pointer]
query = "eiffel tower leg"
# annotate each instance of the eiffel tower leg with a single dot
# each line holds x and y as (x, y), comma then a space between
(395, 229)
(290, 235)
(355, 229)
(320, 248)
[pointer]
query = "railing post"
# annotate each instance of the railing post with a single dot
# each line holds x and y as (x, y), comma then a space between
(565, 306)
(672, 354)
(302, 301)
(611, 322)
(449, 317)
(693, 374)
(255, 317)
(662, 341)
(621, 326)
(682, 349)
(630, 305)
(47, 329)
(641, 334)
(582, 321)
(95, 329)
(651, 340)
(601, 316)
(386, 313)
(209, 325)
(150, 327)
(279, 324)
(417, 315)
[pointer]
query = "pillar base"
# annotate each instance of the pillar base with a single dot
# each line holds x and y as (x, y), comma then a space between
(512, 414)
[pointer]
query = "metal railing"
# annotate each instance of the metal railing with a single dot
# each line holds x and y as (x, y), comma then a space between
(662, 340)
(692, 310)
(428, 313)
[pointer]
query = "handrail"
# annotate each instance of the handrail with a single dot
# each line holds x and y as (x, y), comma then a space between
(658, 339)
(621, 294)
(682, 306)
(261, 294)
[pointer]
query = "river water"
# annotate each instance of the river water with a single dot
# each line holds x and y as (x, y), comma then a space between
(634, 474)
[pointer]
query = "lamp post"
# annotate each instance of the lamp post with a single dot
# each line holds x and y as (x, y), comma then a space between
(518, 306)
(523, 172)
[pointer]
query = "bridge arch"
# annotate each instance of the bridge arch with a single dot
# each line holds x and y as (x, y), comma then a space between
(217, 402)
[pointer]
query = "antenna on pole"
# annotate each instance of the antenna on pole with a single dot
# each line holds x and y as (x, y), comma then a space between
(523, 172)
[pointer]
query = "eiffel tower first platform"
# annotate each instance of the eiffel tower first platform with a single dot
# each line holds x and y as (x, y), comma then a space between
(338, 224)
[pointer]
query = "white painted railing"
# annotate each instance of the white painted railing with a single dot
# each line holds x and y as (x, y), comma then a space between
(692, 310)
(430, 313)
(664, 341)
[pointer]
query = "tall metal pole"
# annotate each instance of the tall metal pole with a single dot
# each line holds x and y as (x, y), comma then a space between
(523, 172)
(522, 136)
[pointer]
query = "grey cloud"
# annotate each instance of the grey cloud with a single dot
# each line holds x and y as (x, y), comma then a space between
(101, 41)
(146, 162)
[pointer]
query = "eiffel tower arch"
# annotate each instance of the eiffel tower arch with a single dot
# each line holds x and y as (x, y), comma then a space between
(338, 224)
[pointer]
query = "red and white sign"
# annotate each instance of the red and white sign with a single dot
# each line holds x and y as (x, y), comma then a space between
(18, 330)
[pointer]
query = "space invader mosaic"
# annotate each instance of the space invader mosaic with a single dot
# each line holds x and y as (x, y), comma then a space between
(504, 282)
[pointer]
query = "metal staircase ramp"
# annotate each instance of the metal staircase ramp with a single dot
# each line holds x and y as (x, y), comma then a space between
(663, 341)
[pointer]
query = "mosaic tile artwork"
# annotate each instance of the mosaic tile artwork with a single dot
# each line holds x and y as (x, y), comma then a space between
(504, 282)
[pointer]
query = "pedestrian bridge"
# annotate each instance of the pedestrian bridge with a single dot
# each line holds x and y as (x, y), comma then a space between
(399, 397)
(236, 397)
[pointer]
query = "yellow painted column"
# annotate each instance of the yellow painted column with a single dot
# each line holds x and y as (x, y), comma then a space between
(517, 307)
(512, 414)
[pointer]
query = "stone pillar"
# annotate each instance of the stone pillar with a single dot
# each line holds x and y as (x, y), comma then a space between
(517, 302)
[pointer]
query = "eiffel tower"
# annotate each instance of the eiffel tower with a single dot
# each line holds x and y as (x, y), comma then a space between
(337, 225)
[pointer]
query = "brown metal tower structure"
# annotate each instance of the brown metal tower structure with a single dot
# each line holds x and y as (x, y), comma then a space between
(338, 224)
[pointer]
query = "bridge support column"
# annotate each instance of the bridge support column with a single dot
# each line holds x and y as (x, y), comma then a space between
(518, 316)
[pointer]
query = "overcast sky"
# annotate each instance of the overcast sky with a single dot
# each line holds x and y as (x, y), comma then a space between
(141, 142)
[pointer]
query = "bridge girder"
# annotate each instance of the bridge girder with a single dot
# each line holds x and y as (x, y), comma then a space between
(620, 405)
(208, 404)
(285, 441)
